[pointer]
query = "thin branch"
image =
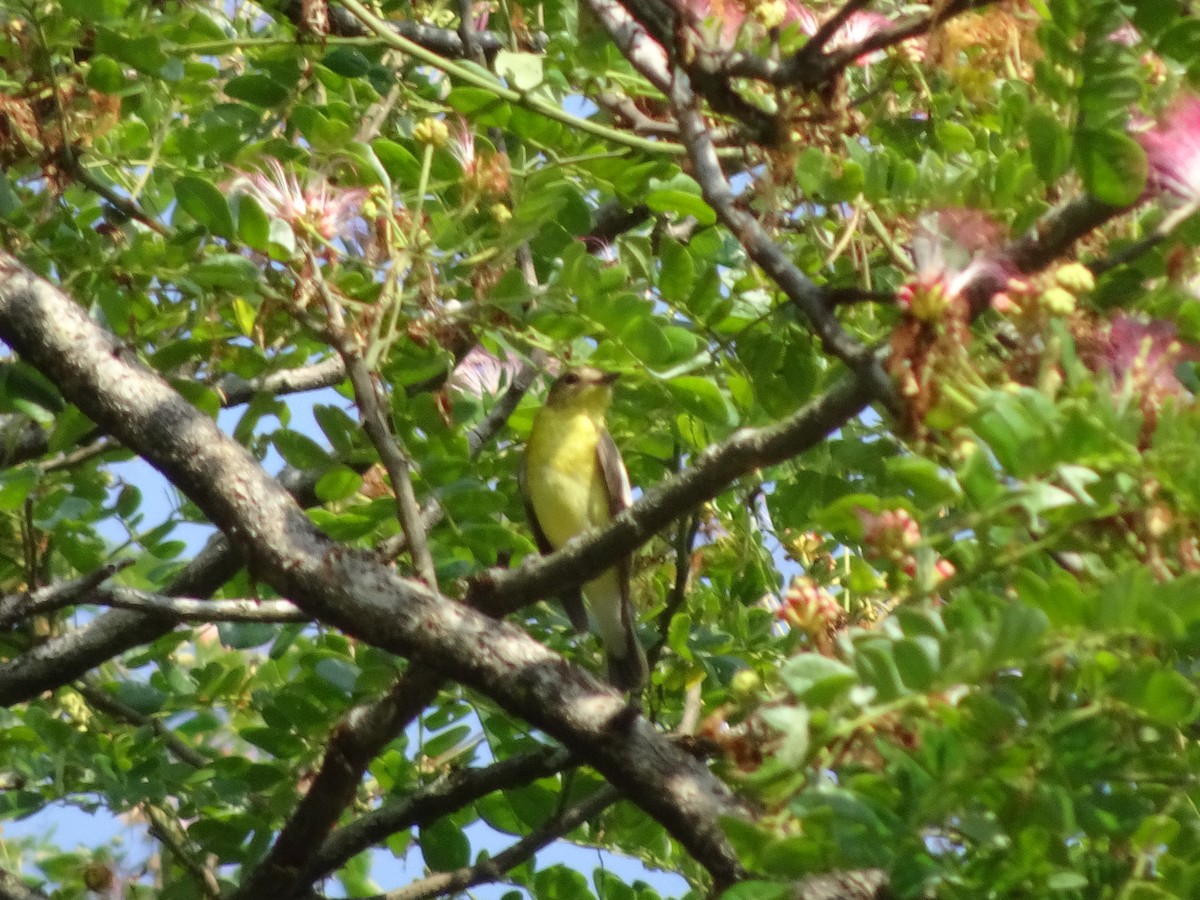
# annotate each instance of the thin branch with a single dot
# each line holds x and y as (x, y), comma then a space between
(394, 457)
(186, 609)
(1157, 235)
(171, 837)
(357, 739)
(13, 888)
(685, 539)
(758, 245)
(452, 791)
(234, 390)
(15, 607)
(815, 46)
(99, 698)
(72, 166)
(494, 869)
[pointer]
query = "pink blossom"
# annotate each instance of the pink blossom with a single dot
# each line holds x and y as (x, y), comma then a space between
(1142, 356)
(1126, 35)
(483, 373)
(891, 534)
(1173, 150)
(954, 255)
(325, 209)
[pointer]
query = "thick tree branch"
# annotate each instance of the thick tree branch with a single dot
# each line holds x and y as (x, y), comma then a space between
(354, 591)
(13, 888)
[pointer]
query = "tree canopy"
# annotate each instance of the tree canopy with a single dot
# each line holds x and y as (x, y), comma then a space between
(903, 298)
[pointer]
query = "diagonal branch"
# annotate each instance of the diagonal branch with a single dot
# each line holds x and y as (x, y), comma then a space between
(352, 590)
(493, 869)
(358, 738)
(394, 457)
(718, 193)
(451, 792)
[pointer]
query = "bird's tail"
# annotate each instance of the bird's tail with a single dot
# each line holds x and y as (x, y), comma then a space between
(616, 622)
(627, 670)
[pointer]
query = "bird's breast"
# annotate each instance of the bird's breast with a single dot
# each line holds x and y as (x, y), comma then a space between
(564, 483)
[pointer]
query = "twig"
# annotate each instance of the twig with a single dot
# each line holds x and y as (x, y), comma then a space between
(167, 834)
(357, 739)
(1157, 235)
(427, 804)
(493, 869)
(394, 458)
(106, 703)
(73, 167)
(15, 607)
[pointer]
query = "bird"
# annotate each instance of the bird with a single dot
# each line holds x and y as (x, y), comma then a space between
(572, 480)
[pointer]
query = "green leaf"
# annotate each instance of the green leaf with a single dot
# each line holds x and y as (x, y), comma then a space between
(253, 226)
(341, 673)
(680, 195)
(201, 200)
(338, 483)
(1049, 143)
(349, 62)
(677, 276)
(521, 70)
(792, 723)
(299, 450)
(104, 74)
(1113, 166)
(815, 679)
(954, 138)
(226, 270)
(444, 846)
(757, 890)
(703, 399)
(140, 696)
(257, 89)
(482, 107)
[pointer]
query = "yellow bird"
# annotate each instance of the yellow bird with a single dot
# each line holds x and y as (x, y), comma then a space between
(573, 480)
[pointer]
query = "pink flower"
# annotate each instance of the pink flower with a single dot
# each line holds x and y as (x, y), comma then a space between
(1142, 356)
(891, 534)
(325, 209)
(954, 256)
(1173, 150)
(483, 373)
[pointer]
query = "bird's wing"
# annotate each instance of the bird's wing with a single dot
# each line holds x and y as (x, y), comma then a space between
(620, 496)
(612, 470)
(627, 667)
(572, 600)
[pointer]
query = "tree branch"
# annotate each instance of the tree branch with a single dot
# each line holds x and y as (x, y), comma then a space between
(394, 457)
(493, 869)
(359, 737)
(452, 791)
(354, 591)
(13, 888)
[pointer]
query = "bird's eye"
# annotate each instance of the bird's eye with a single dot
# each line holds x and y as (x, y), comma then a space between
(570, 378)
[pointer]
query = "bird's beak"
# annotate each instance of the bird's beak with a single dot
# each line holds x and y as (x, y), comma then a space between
(609, 377)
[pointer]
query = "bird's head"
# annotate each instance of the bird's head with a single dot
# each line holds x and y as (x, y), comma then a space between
(584, 388)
